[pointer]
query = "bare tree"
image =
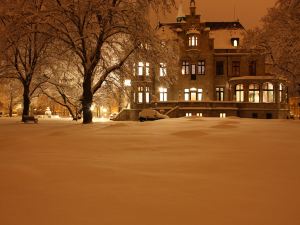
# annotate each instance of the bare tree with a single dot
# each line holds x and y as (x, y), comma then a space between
(23, 46)
(10, 95)
(103, 35)
(64, 85)
(279, 39)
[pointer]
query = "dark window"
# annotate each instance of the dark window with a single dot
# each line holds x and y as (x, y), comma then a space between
(254, 115)
(201, 67)
(185, 67)
(269, 116)
(193, 77)
(220, 68)
(236, 68)
(252, 68)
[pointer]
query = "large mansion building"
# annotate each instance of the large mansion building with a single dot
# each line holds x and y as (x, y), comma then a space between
(216, 76)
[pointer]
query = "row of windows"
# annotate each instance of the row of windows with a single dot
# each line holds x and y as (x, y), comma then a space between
(144, 68)
(192, 94)
(193, 41)
(191, 69)
(235, 68)
(199, 69)
(254, 93)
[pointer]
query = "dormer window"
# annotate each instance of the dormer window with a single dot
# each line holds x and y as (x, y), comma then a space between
(235, 42)
(193, 41)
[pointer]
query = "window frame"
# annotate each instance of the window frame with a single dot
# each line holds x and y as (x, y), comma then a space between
(236, 68)
(220, 94)
(201, 67)
(163, 94)
(254, 93)
(185, 68)
(268, 92)
(239, 93)
(219, 68)
(252, 68)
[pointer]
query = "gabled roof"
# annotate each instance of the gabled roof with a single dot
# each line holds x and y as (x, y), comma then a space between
(224, 25)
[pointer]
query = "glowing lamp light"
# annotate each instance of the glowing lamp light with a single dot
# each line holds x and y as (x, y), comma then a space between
(104, 110)
(92, 107)
(127, 83)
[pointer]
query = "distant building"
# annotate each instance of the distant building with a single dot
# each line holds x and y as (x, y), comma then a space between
(217, 77)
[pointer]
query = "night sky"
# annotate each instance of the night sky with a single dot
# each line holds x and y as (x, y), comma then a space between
(248, 12)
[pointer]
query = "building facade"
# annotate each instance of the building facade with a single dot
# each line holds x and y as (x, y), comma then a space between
(217, 78)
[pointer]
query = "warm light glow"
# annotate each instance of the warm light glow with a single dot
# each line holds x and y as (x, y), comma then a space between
(235, 43)
(127, 83)
(163, 94)
(163, 69)
(92, 107)
(222, 115)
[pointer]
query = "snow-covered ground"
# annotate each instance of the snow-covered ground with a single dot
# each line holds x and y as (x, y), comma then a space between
(184, 171)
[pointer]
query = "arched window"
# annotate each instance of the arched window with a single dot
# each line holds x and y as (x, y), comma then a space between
(268, 92)
(193, 41)
(239, 92)
(254, 93)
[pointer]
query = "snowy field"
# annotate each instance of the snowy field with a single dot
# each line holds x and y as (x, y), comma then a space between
(184, 171)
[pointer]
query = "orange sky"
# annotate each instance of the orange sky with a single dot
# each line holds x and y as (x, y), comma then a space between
(248, 12)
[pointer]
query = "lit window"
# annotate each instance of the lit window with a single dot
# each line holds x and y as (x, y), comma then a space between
(185, 67)
(239, 93)
(200, 94)
(162, 69)
(163, 94)
(147, 95)
(193, 94)
(199, 114)
(193, 69)
(140, 94)
(186, 94)
(235, 42)
(268, 92)
(140, 68)
(220, 93)
(193, 41)
(147, 69)
(222, 115)
(188, 114)
(127, 83)
(282, 94)
(254, 93)
(201, 67)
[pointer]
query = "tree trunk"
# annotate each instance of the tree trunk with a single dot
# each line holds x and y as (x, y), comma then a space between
(87, 101)
(10, 108)
(26, 101)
